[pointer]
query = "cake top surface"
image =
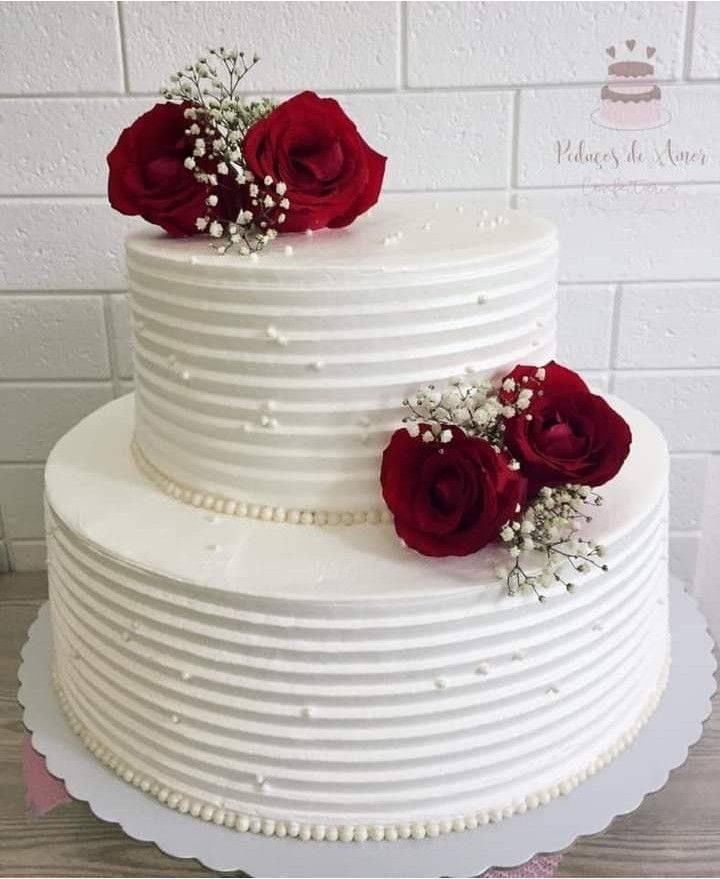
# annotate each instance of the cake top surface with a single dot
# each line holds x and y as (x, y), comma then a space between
(94, 487)
(402, 233)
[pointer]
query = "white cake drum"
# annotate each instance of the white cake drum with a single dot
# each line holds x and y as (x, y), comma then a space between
(328, 683)
(269, 387)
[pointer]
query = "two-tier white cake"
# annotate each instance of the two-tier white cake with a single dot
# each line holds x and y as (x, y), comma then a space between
(238, 630)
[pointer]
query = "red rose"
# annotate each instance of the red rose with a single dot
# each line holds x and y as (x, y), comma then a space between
(448, 498)
(308, 143)
(567, 434)
(147, 174)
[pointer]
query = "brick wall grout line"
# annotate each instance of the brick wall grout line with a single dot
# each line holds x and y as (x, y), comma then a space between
(674, 453)
(688, 39)
(54, 382)
(600, 187)
(5, 539)
(402, 47)
(49, 293)
(595, 282)
(615, 335)
(580, 282)
(110, 338)
(368, 91)
(100, 198)
(709, 282)
(120, 21)
(515, 141)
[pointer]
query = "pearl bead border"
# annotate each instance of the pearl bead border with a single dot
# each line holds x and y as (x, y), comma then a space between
(354, 832)
(242, 509)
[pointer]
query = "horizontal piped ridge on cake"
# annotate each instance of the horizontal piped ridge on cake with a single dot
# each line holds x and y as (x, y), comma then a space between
(276, 383)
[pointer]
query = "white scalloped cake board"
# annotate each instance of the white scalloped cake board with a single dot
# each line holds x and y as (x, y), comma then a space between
(643, 768)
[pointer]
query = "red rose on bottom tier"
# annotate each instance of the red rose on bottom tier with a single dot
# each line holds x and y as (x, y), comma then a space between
(448, 498)
(567, 434)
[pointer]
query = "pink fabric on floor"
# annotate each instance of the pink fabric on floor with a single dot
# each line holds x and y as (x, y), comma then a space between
(540, 865)
(43, 792)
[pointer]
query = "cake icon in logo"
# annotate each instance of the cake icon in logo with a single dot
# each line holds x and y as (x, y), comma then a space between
(630, 99)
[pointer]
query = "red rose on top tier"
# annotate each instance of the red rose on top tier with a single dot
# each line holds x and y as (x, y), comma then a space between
(310, 145)
(148, 175)
(567, 434)
(448, 498)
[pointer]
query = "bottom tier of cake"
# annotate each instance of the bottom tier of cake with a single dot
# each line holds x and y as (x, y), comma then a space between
(325, 682)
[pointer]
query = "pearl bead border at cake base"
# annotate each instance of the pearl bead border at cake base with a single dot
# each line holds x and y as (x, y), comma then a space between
(263, 512)
(354, 832)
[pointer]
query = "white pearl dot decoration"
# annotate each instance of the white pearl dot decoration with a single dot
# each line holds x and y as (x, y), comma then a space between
(268, 513)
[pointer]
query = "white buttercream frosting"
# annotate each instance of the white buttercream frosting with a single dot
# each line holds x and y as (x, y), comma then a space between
(328, 683)
(277, 382)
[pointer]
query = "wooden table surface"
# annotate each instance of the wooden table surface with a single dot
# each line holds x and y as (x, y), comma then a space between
(675, 832)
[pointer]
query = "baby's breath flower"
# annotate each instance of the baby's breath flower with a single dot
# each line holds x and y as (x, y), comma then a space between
(553, 519)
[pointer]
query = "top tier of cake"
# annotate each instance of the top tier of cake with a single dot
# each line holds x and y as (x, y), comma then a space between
(270, 386)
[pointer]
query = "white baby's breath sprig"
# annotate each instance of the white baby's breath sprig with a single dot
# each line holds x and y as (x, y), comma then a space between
(219, 117)
(478, 407)
(473, 406)
(544, 545)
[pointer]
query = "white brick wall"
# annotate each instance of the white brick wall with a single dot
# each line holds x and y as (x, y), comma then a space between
(496, 97)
